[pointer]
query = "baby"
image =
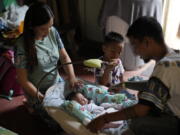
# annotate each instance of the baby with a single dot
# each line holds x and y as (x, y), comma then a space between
(91, 107)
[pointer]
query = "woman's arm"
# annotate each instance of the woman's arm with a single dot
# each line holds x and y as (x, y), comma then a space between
(64, 58)
(26, 84)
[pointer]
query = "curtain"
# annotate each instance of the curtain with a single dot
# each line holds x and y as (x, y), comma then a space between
(67, 21)
(66, 13)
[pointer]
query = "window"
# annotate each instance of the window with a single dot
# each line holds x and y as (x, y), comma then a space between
(171, 23)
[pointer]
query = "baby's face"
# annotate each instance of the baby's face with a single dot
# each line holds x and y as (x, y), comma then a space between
(80, 99)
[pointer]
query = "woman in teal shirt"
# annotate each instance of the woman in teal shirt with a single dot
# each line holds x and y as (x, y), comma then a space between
(38, 52)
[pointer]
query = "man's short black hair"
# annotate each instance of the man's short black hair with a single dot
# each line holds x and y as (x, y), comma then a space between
(146, 27)
(113, 37)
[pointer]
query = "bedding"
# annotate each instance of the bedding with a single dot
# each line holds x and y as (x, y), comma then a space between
(71, 119)
(54, 98)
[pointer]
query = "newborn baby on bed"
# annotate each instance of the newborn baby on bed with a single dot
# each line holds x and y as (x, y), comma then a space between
(94, 109)
(102, 102)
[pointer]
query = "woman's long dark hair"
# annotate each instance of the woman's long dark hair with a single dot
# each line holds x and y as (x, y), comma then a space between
(38, 14)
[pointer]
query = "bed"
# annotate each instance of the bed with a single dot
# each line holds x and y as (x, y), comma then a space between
(54, 98)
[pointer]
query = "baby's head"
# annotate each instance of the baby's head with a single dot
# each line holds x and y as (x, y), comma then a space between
(113, 45)
(78, 97)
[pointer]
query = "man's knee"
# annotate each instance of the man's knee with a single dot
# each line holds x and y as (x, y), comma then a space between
(154, 125)
(128, 132)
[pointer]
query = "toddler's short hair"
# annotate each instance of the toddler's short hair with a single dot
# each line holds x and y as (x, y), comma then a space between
(113, 37)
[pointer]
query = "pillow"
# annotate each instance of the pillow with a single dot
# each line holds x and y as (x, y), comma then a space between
(54, 98)
(55, 104)
(77, 110)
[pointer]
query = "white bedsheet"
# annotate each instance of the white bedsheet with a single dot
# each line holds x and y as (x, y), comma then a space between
(54, 97)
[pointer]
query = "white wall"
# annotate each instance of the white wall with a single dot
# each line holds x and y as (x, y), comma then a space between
(89, 12)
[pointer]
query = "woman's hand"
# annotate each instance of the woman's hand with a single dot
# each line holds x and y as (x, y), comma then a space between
(75, 83)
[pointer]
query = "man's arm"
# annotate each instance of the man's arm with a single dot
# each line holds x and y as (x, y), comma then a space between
(138, 110)
(138, 85)
(125, 114)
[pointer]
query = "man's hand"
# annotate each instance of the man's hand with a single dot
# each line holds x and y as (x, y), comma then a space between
(97, 124)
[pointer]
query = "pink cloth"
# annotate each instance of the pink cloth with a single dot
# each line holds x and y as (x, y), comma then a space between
(8, 75)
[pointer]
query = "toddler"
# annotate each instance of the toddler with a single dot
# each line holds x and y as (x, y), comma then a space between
(112, 73)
